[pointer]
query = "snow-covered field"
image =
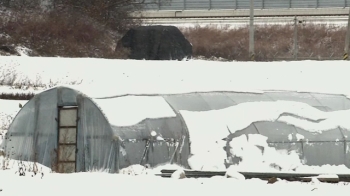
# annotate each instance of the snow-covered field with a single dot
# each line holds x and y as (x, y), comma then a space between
(94, 183)
(109, 78)
(104, 77)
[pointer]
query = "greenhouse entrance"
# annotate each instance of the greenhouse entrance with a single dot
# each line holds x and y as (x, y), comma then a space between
(67, 139)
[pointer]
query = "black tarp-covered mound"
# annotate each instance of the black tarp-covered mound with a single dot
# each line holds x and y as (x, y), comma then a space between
(156, 43)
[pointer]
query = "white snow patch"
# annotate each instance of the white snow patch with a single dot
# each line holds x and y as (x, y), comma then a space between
(328, 176)
(213, 160)
(254, 159)
(6, 36)
(24, 166)
(290, 137)
(178, 174)
(130, 110)
(266, 159)
(324, 169)
(23, 51)
(134, 170)
(237, 145)
(299, 137)
(233, 173)
(257, 140)
(153, 133)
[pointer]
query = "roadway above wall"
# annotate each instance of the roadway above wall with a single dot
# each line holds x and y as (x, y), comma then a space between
(241, 13)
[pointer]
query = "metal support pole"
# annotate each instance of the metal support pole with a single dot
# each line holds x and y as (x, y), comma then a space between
(251, 31)
(347, 40)
(295, 38)
(262, 4)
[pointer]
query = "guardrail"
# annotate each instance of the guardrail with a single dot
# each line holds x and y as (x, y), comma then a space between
(241, 4)
(241, 13)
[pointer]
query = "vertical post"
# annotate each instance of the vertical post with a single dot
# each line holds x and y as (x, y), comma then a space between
(290, 3)
(251, 31)
(236, 4)
(158, 5)
(295, 55)
(347, 40)
(317, 3)
(263, 4)
(209, 4)
(184, 4)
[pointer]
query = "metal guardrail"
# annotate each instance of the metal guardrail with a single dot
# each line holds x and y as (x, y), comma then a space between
(241, 13)
(241, 4)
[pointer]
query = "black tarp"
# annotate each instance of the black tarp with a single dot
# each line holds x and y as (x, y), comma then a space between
(156, 43)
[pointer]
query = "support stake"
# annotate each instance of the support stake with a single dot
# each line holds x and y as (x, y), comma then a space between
(347, 40)
(295, 55)
(251, 31)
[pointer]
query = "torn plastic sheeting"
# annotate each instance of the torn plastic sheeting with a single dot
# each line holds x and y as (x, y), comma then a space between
(202, 124)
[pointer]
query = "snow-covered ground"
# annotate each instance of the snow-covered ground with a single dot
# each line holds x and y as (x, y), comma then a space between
(95, 183)
(109, 78)
(104, 77)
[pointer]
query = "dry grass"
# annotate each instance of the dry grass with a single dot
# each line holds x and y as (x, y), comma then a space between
(17, 96)
(58, 34)
(273, 42)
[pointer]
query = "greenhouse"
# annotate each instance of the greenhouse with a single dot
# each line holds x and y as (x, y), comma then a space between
(68, 131)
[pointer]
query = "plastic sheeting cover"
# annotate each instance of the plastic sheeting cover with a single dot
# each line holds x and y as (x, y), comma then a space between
(33, 136)
(130, 110)
(328, 147)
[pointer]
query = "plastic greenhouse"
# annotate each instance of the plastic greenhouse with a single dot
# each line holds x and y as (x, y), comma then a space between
(68, 131)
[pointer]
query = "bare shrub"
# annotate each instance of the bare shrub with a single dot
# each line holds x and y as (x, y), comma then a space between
(5, 123)
(8, 76)
(114, 14)
(272, 42)
(55, 34)
(69, 28)
(17, 96)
